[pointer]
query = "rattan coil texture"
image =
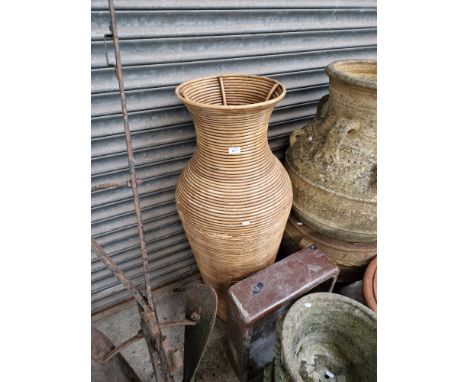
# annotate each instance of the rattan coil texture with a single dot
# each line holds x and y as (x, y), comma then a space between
(233, 206)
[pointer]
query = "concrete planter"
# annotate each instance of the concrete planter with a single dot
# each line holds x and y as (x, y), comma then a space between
(326, 336)
(332, 161)
(351, 258)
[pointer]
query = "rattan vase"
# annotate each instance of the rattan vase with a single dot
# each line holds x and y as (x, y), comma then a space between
(234, 196)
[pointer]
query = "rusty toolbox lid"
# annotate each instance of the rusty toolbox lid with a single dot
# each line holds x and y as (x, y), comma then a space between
(269, 288)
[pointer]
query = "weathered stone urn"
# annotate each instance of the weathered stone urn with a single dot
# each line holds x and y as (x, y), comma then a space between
(332, 161)
(326, 336)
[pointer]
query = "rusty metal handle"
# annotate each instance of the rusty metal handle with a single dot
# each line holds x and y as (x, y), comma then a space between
(107, 186)
(330, 151)
(107, 357)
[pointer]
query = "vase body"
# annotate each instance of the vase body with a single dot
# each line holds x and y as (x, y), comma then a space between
(332, 161)
(234, 196)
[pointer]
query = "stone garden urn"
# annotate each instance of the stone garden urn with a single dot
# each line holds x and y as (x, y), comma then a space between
(332, 161)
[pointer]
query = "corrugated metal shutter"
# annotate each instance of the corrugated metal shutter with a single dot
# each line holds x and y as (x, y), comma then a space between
(166, 42)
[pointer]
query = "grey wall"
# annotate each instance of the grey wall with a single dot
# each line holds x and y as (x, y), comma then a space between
(164, 43)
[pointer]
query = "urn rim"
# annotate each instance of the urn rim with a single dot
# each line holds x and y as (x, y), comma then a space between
(258, 105)
(347, 71)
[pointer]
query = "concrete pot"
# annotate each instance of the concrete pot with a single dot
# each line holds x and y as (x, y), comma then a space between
(326, 336)
(351, 258)
(234, 196)
(369, 285)
(332, 161)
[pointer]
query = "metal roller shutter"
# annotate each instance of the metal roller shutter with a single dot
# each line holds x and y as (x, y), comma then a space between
(164, 43)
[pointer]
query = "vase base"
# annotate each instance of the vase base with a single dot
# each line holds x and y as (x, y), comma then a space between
(222, 310)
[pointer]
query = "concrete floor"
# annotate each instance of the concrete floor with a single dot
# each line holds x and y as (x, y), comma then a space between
(122, 322)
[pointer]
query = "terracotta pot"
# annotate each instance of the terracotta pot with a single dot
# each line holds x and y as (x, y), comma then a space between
(351, 258)
(332, 161)
(234, 196)
(326, 336)
(369, 285)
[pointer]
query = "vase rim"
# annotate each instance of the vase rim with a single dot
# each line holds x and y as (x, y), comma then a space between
(264, 104)
(346, 71)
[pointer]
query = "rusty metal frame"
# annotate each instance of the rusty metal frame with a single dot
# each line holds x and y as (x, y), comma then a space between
(201, 302)
(163, 360)
(131, 158)
(150, 325)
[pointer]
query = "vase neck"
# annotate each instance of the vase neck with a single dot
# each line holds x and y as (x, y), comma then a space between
(231, 143)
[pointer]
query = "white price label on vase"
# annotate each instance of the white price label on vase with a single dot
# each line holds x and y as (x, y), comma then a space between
(234, 150)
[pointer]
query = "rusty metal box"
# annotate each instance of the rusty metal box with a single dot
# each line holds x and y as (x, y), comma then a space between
(255, 303)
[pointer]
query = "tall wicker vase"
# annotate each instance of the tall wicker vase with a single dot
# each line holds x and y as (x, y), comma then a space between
(234, 196)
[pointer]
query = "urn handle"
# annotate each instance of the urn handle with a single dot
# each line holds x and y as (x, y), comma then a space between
(330, 150)
(322, 109)
(297, 134)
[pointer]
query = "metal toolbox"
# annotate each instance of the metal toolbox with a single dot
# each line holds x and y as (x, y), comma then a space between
(255, 303)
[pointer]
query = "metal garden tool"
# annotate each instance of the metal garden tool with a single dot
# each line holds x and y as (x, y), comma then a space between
(200, 301)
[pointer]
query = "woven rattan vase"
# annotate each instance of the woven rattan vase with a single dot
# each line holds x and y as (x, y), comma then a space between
(234, 196)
